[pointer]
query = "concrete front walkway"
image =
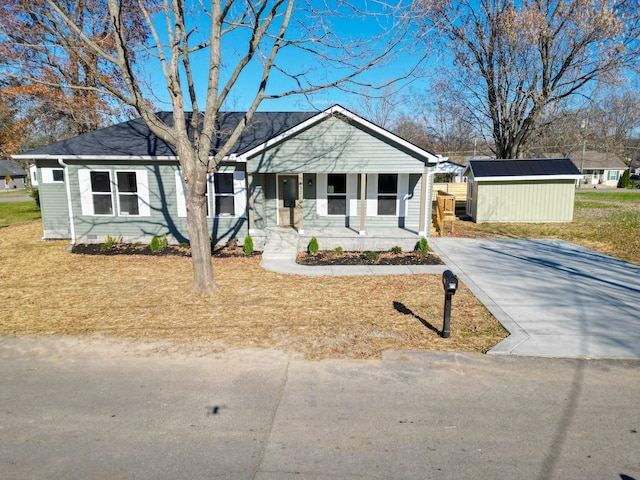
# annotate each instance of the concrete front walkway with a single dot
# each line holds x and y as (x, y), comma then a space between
(554, 297)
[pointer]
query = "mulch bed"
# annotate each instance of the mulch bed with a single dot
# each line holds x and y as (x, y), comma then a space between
(225, 251)
(367, 258)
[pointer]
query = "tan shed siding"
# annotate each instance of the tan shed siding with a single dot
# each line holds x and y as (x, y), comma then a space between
(524, 201)
(335, 146)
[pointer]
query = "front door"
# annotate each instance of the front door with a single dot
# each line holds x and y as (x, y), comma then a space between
(289, 205)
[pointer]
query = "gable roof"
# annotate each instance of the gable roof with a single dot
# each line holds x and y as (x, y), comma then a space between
(528, 169)
(7, 167)
(132, 140)
(351, 117)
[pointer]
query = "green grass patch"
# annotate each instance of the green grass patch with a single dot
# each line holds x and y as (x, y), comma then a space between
(632, 196)
(18, 212)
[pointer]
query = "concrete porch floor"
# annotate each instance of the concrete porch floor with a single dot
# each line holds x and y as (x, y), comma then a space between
(376, 239)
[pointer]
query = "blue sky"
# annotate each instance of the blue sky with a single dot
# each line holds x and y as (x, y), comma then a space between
(347, 28)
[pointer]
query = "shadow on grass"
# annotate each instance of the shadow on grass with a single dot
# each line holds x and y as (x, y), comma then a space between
(402, 308)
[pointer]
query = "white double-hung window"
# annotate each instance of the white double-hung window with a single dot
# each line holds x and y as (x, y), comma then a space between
(387, 194)
(226, 194)
(107, 192)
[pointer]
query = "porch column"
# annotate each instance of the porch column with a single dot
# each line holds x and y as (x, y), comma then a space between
(363, 202)
(250, 212)
(301, 202)
(422, 230)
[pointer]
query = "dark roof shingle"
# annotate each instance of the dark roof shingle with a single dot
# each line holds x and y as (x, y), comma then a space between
(134, 139)
(523, 168)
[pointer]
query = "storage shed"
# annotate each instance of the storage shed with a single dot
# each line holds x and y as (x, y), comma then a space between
(531, 190)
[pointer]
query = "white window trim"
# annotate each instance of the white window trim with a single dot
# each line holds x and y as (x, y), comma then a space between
(142, 187)
(397, 195)
(322, 197)
(345, 195)
(239, 193)
(86, 193)
(46, 174)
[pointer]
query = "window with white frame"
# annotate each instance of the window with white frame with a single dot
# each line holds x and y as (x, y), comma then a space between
(224, 194)
(228, 193)
(613, 175)
(128, 193)
(387, 194)
(336, 194)
(101, 193)
(52, 175)
(105, 192)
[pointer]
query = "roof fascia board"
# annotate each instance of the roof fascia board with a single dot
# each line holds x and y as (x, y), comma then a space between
(504, 178)
(330, 112)
(95, 157)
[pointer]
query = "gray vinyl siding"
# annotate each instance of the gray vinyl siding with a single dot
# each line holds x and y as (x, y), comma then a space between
(53, 206)
(163, 219)
(524, 201)
(335, 146)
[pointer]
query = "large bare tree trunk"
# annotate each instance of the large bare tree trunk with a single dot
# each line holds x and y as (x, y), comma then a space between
(194, 174)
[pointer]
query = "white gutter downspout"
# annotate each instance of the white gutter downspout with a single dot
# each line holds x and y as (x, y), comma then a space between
(69, 203)
(423, 201)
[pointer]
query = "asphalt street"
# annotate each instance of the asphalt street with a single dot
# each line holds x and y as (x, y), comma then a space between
(91, 408)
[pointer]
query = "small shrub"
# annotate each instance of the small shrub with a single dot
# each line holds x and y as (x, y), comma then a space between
(35, 194)
(248, 245)
(625, 180)
(396, 250)
(313, 246)
(158, 243)
(371, 256)
(423, 246)
(184, 245)
(339, 250)
(110, 242)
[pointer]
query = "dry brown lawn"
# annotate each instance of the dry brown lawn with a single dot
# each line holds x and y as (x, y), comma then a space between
(49, 291)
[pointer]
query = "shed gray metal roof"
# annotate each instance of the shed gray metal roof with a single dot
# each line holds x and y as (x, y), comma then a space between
(518, 169)
(134, 139)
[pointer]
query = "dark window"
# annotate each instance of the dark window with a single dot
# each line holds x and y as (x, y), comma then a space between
(225, 205)
(127, 193)
(101, 188)
(336, 194)
(388, 184)
(337, 205)
(58, 175)
(387, 194)
(223, 183)
(224, 197)
(336, 183)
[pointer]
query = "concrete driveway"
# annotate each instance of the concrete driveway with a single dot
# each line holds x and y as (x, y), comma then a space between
(554, 297)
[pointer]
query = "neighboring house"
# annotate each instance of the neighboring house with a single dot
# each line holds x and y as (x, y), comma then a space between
(12, 175)
(599, 168)
(328, 173)
(532, 190)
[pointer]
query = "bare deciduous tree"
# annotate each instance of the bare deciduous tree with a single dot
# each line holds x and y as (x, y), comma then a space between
(236, 39)
(515, 59)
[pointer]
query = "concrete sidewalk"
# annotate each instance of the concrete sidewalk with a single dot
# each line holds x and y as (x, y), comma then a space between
(554, 297)
(89, 408)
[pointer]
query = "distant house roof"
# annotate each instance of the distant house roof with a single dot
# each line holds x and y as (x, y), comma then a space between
(529, 169)
(594, 160)
(133, 139)
(8, 167)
